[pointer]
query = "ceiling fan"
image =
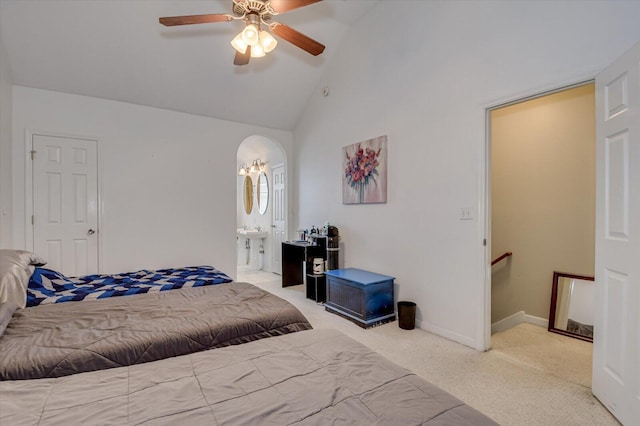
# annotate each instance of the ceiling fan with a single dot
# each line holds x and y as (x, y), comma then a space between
(254, 42)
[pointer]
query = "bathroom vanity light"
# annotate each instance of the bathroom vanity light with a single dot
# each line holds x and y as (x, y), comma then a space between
(256, 166)
(243, 170)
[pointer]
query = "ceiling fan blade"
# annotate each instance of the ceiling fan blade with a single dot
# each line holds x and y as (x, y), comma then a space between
(282, 6)
(195, 19)
(297, 38)
(242, 58)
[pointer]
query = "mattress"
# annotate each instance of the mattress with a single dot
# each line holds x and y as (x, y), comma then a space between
(68, 338)
(310, 377)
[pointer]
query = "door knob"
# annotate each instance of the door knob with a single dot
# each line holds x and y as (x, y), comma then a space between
(91, 232)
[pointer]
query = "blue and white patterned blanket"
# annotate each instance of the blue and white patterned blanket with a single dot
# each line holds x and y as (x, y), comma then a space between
(47, 286)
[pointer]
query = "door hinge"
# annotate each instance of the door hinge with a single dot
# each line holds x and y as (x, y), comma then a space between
(33, 220)
(484, 242)
(33, 154)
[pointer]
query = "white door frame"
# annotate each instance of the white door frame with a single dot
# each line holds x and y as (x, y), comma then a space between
(28, 185)
(483, 336)
(284, 208)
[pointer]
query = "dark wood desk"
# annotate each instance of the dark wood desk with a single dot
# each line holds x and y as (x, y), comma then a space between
(294, 254)
(317, 287)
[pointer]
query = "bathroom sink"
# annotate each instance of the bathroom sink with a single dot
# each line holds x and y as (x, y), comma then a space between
(252, 233)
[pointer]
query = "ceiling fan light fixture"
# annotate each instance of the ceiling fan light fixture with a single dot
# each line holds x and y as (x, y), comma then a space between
(257, 51)
(239, 44)
(252, 41)
(267, 41)
(250, 35)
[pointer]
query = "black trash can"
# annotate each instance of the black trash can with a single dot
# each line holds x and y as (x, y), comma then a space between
(407, 315)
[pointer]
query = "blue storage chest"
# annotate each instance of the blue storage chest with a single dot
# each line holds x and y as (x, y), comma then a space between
(363, 297)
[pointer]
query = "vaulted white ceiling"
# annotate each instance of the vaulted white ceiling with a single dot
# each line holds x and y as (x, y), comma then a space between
(116, 49)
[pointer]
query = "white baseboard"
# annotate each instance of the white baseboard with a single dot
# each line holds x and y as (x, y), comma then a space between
(508, 322)
(541, 322)
(447, 334)
(515, 319)
(502, 325)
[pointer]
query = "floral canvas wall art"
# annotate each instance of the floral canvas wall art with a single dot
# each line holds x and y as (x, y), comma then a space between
(364, 172)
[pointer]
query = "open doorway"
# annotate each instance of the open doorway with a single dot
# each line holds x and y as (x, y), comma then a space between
(261, 204)
(542, 203)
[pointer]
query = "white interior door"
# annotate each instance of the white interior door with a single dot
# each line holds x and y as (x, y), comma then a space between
(616, 349)
(279, 206)
(65, 203)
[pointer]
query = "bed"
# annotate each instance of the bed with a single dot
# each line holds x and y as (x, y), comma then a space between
(96, 330)
(310, 377)
(60, 339)
(25, 282)
(47, 286)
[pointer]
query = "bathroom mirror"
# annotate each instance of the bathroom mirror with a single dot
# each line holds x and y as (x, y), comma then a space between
(248, 194)
(571, 311)
(262, 193)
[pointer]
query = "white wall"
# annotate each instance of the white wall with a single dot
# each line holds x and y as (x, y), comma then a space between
(5, 150)
(168, 180)
(425, 78)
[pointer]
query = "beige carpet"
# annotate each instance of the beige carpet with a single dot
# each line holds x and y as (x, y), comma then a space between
(529, 377)
(534, 347)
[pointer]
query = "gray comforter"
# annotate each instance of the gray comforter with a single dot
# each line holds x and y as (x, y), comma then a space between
(311, 377)
(68, 338)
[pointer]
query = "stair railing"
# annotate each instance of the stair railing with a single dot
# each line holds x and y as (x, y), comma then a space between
(504, 256)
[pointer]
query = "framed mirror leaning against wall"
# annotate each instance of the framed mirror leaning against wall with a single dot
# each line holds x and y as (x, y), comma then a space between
(571, 312)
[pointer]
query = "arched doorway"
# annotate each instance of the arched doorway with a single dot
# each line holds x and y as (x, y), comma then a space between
(261, 204)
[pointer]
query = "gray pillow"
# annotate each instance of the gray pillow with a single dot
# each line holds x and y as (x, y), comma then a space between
(25, 256)
(6, 313)
(16, 267)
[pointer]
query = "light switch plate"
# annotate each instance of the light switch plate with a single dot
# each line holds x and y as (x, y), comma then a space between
(466, 213)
